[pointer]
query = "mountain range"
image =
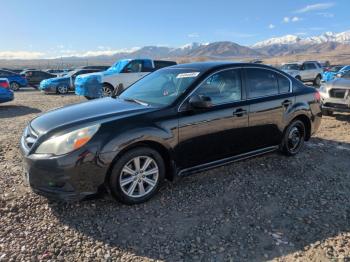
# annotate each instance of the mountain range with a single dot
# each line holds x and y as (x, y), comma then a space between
(278, 46)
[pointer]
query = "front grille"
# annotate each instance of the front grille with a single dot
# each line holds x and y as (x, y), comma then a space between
(337, 93)
(29, 138)
(335, 105)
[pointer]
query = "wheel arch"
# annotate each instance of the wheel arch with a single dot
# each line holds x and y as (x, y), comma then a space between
(157, 146)
(108, 84)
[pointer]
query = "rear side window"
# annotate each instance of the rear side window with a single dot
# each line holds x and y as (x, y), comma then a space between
(160, 64)
(283, 84)
(147, 66)
(261, 82)
(309, 66)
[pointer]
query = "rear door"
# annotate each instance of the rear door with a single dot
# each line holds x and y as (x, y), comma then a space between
(218, 132)
(270, 97)
(310, 71)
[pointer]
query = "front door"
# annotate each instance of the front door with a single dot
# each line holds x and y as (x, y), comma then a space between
(217, 132)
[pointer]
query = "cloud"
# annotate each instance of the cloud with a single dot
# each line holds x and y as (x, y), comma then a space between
(292, 19)
(21, 55)
(193, 35)
(326, 15)
(315, 7)
(271, 26)
(99, 52)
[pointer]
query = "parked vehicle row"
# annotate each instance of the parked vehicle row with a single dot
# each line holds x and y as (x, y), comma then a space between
(63, 85)
(335, 71)
(308, 71)
(15, 80)
(175, 121)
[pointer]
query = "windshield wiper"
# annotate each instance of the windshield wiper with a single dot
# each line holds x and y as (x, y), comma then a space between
(135, 101)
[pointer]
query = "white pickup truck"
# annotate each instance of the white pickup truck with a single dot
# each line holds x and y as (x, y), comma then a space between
(117, 78)
(308, 71)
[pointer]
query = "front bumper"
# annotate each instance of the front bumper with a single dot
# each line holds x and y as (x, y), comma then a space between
(335, 104)
(69, 177)
(49, 89)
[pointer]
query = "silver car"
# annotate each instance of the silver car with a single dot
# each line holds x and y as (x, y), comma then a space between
(308, 71)
(335, 95)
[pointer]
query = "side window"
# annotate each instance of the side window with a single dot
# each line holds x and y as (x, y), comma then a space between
(309, 66)
(261, 82)
(147, 66)
(283, 84)
(133, 67)
(222, 87)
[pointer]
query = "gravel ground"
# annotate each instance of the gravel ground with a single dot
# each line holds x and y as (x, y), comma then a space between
(267, 208)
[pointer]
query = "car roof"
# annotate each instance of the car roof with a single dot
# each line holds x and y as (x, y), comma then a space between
(206, 66)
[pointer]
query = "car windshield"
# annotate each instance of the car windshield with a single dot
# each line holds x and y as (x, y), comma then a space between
(161, 87)
(346, 75)
(118, 66)
(290, 67)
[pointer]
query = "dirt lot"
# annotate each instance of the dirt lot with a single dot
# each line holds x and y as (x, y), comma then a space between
(267, 208)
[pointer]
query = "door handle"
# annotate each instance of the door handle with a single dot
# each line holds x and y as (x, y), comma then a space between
(286, 103)
(239, 112)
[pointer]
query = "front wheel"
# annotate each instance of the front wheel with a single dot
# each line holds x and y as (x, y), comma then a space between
(107, 90)
(14, 86)
(62, 89)
(293, 138)
(137, 176)
(317, 81)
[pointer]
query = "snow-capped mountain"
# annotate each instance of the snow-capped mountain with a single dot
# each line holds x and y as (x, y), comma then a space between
(283, 40)
(340, 38)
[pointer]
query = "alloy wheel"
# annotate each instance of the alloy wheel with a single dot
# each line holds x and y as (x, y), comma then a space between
(14, 86)
(294, 139)
(62, 89)
(106, 91)
(139, 176)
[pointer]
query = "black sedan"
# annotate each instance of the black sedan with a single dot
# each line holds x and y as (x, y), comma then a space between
(34, 77)
(173, 122)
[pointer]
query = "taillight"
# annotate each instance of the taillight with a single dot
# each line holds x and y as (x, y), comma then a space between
(4, 84)
(317, 96)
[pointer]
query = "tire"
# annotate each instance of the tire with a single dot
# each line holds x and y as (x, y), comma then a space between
(107, 90)
(128, 182)
(62, 89)
(317, 81)
(89, 98)
(326, 112)
(14, 86)
(293, 138)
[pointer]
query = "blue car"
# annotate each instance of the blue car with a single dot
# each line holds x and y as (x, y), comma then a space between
(16, 80)
(62, 85)
(335, 71)
(6, 94)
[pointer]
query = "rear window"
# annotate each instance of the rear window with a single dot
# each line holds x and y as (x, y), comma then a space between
(261, 82)
(160, 64)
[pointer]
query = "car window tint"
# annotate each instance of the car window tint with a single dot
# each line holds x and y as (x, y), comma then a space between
(134, 66)
(222, 87)
(261, 82)
(147, 66)
(309, 66)
(283, 84)
(347, 75)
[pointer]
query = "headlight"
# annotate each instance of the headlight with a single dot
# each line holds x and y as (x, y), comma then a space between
(68, 142)
(323, 88)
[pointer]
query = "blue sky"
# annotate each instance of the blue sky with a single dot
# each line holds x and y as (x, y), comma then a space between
(38, 29)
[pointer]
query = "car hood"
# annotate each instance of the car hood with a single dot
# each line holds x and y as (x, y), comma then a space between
(291, 72)
(99, 110)
(341, 83)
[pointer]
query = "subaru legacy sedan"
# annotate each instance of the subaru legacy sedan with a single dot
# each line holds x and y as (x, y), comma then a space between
(173, 122)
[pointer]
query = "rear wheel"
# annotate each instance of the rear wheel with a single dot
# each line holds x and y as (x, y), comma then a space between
(293, 138)
(14, 86)
(137, 175)
(317, 81)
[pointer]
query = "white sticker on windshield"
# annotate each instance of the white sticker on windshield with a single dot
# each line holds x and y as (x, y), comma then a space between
(185, 75)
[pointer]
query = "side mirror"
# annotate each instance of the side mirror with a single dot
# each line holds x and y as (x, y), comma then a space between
(200, 102)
